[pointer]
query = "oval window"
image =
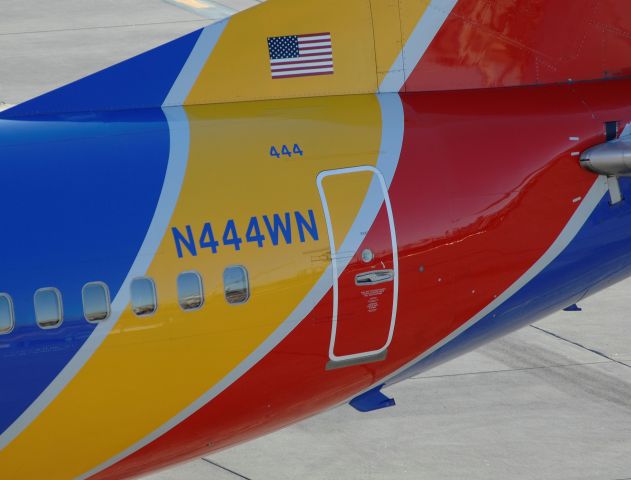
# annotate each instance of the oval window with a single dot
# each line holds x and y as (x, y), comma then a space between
(189, 290)
(48, 307)
(236, 285)
(143, 296)
(96, 302)
(7, 320)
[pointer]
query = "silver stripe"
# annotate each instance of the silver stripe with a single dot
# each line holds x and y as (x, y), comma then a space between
(377, 196)
(174, 176)
(433, 19)
(389, 153)
(197, 59)
(176, 168)
(569, 232)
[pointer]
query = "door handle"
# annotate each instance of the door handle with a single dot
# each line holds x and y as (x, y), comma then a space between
(374, 277)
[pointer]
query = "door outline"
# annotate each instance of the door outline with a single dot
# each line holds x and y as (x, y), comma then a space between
(395, 261)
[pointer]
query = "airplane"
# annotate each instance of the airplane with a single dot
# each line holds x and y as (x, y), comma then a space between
(293, 208)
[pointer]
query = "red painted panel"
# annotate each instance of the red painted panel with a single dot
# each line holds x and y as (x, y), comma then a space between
(486, 182)
(502, 43)
(365, 311)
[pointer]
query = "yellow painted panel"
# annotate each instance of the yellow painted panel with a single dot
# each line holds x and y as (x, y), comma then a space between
(341, 210)
(387, 28)
(411, 13)
(239, 67)
(149, 369)
(394, 21)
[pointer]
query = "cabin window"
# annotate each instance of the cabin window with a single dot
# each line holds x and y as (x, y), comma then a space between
(143, 296)
(236, 285)
(48, 307)
(96, 301)
(189, 290)
(7, 320)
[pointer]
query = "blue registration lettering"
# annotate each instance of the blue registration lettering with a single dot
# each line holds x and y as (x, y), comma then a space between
(188, 241)
(278, 227)
(253, 234)
(207, 238)
(303, 225)
(230, 236)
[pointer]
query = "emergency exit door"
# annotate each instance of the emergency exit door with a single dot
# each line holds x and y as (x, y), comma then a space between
(364, 264)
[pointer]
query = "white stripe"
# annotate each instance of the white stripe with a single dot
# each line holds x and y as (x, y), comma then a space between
(197, 59)
(424, 32)
(569, 232)
(316, 50)
(301, 72)
(312, 39)
(315, 44)
(294, 59)
(377, 195)
(390, 151)
(389, 154)
(302, 65)
(178, 157)
(174, 176)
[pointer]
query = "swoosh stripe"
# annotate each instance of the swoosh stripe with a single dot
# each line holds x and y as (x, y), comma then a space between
(196, 61)
(569, 232)
(389, 154)
(416, 46)
(178, 156)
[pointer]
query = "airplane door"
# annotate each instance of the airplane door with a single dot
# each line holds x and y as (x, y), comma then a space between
(364, 264)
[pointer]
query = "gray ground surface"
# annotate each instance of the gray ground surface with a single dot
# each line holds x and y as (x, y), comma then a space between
(44, 45)
(552, 401)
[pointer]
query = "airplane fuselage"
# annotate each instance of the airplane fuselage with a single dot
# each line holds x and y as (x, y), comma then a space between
(333, 245)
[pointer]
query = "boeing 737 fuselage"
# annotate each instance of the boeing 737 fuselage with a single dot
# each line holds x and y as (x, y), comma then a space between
(290, 209)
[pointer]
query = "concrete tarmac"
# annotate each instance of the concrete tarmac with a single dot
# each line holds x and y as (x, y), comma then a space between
(44, 45)
(551, 401)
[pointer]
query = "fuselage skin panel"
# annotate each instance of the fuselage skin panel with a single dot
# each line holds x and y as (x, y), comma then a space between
(482, 186)
(365, 189)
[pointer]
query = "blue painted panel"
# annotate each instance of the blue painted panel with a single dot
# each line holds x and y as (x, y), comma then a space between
(140, 82)
(573, 308)
(372, 400)
(78, 194)
(599, 256)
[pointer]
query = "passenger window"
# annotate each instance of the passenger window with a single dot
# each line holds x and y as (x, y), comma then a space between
(236, 285)
(143, 296)
(96, 301)
(7, 321)
(48, 307)
(189, 290)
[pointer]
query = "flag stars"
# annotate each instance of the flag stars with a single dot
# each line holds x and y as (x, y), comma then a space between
(300, 55)
(283, 47)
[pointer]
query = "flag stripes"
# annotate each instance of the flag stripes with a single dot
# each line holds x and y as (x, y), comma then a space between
(301, 55)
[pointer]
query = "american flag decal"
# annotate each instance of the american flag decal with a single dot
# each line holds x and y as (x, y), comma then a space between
(301, 55)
